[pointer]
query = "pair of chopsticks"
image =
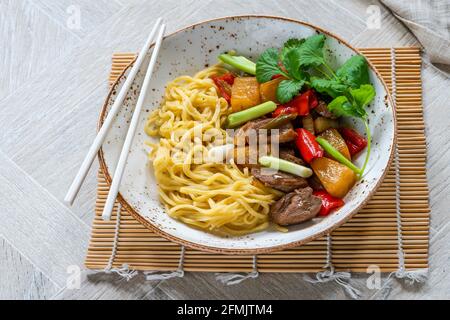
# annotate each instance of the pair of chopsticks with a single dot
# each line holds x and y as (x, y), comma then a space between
(157, 30)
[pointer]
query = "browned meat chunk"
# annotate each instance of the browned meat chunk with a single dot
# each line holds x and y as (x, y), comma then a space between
(322, 109)
(282, 181)
(288, 154)
(286, 131)
(315, 183)
(295, 207)
(286, 150)
(244, 131)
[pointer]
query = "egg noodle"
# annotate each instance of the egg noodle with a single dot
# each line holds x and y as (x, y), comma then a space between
(216, 197)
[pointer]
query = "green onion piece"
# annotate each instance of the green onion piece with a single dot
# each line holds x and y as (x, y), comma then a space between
(337, 155)
(286, 166)
(239, 62)
(369, 138)
(238, 118)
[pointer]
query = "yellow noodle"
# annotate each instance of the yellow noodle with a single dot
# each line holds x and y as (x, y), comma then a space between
(219, 198)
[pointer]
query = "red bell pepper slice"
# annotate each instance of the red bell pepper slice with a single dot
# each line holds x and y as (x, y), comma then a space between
(224, 83)
(328, 202)
(301, 104)
(313, 100)
(355, 142)
(307, 145)
(284, 109)
(305, 102)
(276, 76)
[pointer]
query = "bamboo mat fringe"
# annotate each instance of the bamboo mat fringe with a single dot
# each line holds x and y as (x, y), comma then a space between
(341, 278)
(123, 271)
(234, 278)
(391, 231)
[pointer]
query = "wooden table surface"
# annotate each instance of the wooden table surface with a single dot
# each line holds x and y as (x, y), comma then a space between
(54, 62)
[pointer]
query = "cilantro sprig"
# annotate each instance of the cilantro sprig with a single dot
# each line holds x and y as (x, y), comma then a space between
(303, 63)
(353, 104)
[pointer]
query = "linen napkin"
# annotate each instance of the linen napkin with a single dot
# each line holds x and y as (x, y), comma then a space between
(429, 21)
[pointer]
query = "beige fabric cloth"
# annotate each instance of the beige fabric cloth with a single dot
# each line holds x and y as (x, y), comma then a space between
(429, 21)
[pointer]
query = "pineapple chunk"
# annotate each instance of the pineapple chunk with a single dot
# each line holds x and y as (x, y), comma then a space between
(336, 178)
(269, 90)
(244, 93)
(336, 140)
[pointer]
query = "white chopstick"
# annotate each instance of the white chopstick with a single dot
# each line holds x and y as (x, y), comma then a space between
(98, 141)
(117, 178)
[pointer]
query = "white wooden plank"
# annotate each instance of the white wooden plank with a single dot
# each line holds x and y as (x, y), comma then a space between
(390, 34)
(66, 138)
(360, 8)
(112, 287)
(45, 231)
(79, 17)
(434, 84)
(438, 155)
(298, 9)
(19, 278)
(30, 41)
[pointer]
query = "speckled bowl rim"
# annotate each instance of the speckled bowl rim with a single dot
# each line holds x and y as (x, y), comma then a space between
(254, 251)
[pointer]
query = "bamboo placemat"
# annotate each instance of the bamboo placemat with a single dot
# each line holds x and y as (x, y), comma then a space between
(369, 238)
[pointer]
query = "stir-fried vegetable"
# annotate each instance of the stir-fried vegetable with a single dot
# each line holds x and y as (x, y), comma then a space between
(305, 102)
(336, 140)
(280, 110)
(349, 85)
(302, 103)
(336, 178)
(268, 89)
(244, 93)
(353, 105)
(224, 83)
(328, 202)
(239, 62)
(307, 145)
(241, 117)
(286, 166)
(321, 124)
(294, 76)
(333, 152)
(308, 123)
(355, 142)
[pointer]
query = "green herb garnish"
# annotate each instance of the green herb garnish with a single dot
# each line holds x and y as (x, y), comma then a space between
(353, 105)
(302, 62)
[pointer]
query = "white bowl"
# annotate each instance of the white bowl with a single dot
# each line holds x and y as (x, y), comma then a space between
(189, 50)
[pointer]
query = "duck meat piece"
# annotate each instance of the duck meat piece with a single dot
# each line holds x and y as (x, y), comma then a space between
(279, 180)
(322, 109)
(288, 154)
(295, 207)
(286, 150)
(286, 131)
(250, 125)
(315, 183)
